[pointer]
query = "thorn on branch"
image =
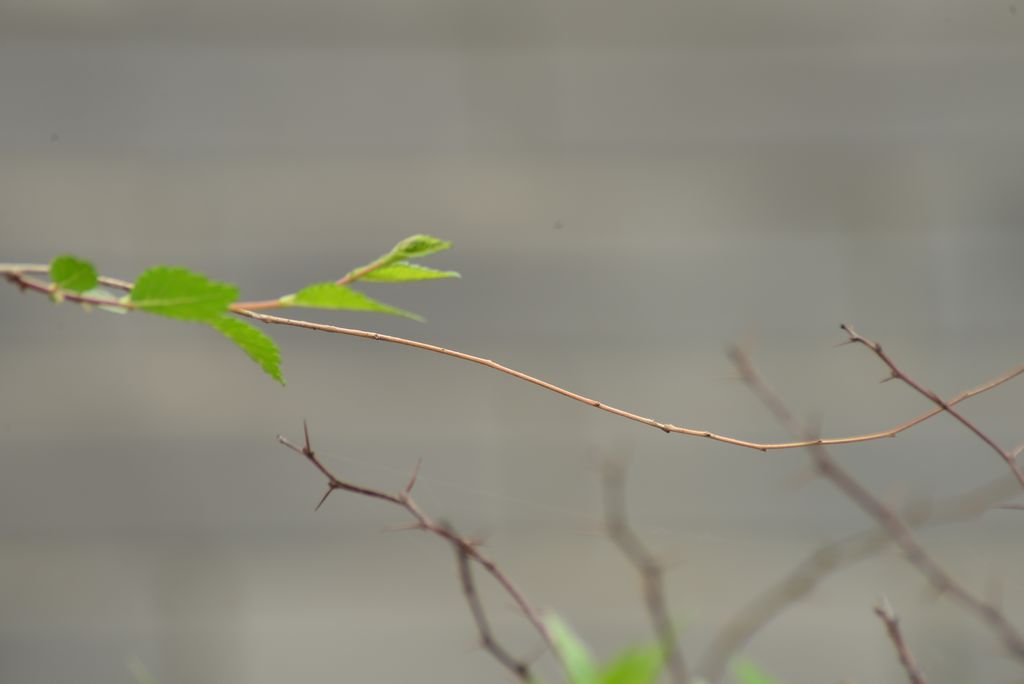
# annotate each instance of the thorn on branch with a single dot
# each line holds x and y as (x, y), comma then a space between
(330, 488)
(308, 448)
(412, 479)
(284, 440)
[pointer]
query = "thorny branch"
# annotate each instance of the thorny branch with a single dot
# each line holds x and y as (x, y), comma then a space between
(892, 625)
(898, 374)
(650, 569)
(888, 519)
(17, 274)
(465, 550)
(814, 569)
(517, 667)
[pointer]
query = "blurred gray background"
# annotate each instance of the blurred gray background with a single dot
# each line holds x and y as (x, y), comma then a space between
(630, 188)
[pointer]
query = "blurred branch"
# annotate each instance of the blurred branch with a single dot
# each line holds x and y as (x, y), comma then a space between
(892, 625)
(649, 568)
(517, 667)
(900, 532)
(831, 558)
(897, 374)
(465, 550)
(18, 275)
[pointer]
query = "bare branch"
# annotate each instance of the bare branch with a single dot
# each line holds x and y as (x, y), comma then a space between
(900, 532)
(892, 625)
(664, 427)
(519, 668)
(465, 548)
(897, 373)
(649, 568)
(831, 558)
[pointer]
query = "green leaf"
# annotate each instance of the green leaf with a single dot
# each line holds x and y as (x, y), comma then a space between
(140, 673)
(746, 672)
(572, 652)
(331, 296)
(634, 666)
(404, 271)
(71, 273)
(417, 247)
(179, 293)
(254, 342)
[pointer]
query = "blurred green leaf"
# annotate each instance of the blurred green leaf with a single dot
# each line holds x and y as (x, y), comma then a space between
(634, 666)
(74, 274)
(332, 296)
(416, 247)
(104, 293)
(180, 293)
(746, 672)
(404, 271)
(140, 673)
(254, 342)
(572, 652)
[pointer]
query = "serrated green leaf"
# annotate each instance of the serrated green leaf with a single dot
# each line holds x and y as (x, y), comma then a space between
(634, 666)
(74, 274)
(180, 293)
(747, 672)
(572, 652)
(332, 296)
(254, 342)
(404, 271)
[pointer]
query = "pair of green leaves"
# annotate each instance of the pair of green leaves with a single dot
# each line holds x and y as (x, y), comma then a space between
(179, 293)
(639, 665)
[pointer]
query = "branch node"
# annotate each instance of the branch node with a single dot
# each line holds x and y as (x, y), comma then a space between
(330, 488)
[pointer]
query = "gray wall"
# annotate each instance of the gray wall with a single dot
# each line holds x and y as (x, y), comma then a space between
(630, 188)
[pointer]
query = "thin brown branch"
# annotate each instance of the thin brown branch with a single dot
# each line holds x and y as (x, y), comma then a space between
(16, 274)
(888, 519)
(517, 667)
(26, 282)
(898, 374)
(892, 625)
(650, 569)
(664, 427)
(833, 557)
(463, 546)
